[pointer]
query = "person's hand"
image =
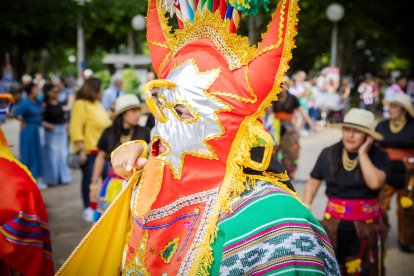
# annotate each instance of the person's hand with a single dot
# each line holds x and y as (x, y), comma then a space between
(126, 157)
(82, 157)
(94, 191)
(365, 147)
(50, 127)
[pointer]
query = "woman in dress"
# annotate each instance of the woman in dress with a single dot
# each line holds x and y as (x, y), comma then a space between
(354, 172)
(56, 143)
(88, 120)
(398, 132)
(285, 131)
(29, 112)
(124, 128)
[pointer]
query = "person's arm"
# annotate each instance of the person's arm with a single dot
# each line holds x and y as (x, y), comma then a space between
(76, 128)
(347, 92)
(311, 188)
(374, 178)
(307, 118)
(69, 104)
(97, 171)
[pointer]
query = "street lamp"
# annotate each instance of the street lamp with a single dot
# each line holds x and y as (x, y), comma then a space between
(80, 42)
(138, 23)
(334, 12)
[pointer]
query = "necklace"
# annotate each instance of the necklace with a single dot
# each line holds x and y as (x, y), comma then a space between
(397, 128)
(126, 138)
(348, 164)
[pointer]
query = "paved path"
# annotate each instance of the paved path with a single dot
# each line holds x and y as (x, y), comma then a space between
(64, 204)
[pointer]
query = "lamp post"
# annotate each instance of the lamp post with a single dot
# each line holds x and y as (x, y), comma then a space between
(334, 12)
(80, 42)
(138, 24)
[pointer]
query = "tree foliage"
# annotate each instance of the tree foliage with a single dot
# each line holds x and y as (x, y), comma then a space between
(39, 35)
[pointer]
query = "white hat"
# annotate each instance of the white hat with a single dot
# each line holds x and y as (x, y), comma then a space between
(362, 120)
(126, 102)
(402, 100)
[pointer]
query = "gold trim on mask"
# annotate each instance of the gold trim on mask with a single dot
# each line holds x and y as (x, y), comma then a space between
(208, 95)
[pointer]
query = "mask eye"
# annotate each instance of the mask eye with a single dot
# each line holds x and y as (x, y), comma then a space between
(183, 112)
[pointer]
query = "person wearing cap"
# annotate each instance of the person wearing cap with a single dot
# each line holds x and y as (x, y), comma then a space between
(88, 119)
(124, 128)
(354, 171)
(398, 132)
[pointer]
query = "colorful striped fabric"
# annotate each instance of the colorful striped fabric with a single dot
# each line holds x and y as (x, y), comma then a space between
(270, 233)
(25, 244)
(28, 230)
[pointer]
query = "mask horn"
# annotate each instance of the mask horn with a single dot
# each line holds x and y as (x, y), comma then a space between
(274, 52)
(157, 24)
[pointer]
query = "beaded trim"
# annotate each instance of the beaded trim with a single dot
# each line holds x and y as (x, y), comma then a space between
(201, 231)
(180, 203)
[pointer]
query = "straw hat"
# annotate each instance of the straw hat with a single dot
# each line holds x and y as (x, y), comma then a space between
(362, 120)
(126, 102)
(402, 100)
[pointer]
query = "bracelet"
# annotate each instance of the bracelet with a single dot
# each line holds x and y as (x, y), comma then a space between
(144, 154)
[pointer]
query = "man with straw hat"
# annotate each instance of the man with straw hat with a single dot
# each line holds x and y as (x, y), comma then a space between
(398, 132)
(354, 172)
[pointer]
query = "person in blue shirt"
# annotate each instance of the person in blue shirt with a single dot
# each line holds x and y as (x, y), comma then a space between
(29, 112)
(113, 92)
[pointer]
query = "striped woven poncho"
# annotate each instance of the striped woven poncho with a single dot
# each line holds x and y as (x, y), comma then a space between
(271, 233)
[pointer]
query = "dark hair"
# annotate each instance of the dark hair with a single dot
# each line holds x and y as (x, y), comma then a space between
(90, 90)
(46, 89)
(29, 88)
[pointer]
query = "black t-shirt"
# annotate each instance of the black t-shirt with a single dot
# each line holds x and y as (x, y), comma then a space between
(287, 103)
(403, 139)
(104, 143)
(348, 185)
(54, 114)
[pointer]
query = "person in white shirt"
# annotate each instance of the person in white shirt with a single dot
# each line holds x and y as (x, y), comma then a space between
(393, 90)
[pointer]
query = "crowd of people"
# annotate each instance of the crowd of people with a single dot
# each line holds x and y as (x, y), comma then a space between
(56, 121)
(197, 201)
(59, 120)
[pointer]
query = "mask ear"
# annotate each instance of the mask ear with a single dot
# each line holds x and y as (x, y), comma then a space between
(274, 51)
(157, 24)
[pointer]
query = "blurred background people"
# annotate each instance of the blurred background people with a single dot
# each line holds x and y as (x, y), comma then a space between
(396, 88)
(113, 92)
(56, 170)
(398, 132)
(124, 128)
(66, 97)
(286, 133)
(29, 112)
(368, 92)
(88, 120)
(354, 172)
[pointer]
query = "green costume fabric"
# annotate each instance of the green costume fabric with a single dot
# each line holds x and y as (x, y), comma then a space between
(270, 232)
